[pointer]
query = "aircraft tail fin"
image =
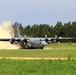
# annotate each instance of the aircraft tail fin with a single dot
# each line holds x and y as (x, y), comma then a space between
(16, 32)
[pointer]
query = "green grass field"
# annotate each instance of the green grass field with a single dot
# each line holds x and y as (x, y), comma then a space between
(40, 67)
(54, 50)
(37, 67)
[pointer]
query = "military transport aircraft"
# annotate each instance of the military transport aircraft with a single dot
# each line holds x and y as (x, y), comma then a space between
(25, 42)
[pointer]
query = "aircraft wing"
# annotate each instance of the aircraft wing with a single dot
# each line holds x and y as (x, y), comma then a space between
(63, 38)
(66, 38)
(14, 40)
(56, 39)
(5, 39)
(11, 39)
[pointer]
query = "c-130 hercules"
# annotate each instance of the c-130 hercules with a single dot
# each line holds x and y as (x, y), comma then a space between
(29, 43)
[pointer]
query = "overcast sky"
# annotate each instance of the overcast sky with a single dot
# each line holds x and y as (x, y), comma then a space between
(29, 12)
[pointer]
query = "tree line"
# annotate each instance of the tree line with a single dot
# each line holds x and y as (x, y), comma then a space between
(63, 30)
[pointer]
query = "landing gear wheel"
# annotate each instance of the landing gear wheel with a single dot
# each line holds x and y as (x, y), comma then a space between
(41, 48)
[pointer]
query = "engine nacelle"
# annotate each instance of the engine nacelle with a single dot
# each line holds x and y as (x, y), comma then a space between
(27, 45)
(49, 42)
(15, 42)
(12, 41)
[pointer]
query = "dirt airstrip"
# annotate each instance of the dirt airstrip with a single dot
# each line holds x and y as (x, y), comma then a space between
(6, 31)
(35, 58)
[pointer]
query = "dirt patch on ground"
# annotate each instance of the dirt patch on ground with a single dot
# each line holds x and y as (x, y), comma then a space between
(34, 58)
(45, 48)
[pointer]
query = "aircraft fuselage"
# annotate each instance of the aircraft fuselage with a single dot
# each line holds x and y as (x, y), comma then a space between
(34, 43)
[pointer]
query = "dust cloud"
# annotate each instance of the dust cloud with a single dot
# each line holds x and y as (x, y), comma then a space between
(6, 31)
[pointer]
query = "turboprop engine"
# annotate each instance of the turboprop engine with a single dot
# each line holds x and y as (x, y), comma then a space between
(13, 41)
(27, 45)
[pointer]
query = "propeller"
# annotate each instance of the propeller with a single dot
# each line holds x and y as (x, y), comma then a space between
(26, 43)
(57, 38)
(26, 40)
(48, 40)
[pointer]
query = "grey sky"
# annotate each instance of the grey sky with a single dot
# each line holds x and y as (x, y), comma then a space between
(38, 11)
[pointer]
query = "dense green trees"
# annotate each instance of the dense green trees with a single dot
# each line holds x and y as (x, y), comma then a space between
(66, 30)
